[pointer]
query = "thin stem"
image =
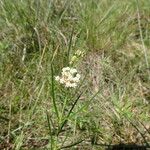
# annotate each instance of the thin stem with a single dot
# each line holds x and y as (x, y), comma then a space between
(53, 92)
(71, 109)
(50, 130)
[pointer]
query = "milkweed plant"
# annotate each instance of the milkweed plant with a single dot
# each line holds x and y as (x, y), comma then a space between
(69, 78)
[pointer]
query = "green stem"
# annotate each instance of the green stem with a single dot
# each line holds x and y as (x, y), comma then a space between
(53, 92)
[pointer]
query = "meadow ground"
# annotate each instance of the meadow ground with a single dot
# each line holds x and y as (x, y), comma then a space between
(107, 41)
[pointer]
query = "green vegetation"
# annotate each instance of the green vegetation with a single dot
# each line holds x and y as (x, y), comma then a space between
(110, 105)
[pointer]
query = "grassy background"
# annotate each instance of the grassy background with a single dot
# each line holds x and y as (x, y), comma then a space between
(38, 38)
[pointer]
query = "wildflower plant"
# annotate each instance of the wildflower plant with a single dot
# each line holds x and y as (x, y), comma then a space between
(64, 104)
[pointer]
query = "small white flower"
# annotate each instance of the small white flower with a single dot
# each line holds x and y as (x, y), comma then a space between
(72, 71)
(66, 73)
(78, 76)
(66, 69)
(73, 85)
(62, 80)
(57, 78)
(75, 79)
(68, 84)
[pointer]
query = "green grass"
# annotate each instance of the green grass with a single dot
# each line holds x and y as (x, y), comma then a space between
(110, 105)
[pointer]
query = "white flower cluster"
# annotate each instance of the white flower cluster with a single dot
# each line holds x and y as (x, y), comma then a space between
(69, 77)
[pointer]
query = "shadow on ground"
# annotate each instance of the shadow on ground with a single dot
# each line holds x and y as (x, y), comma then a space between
(127, 147)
